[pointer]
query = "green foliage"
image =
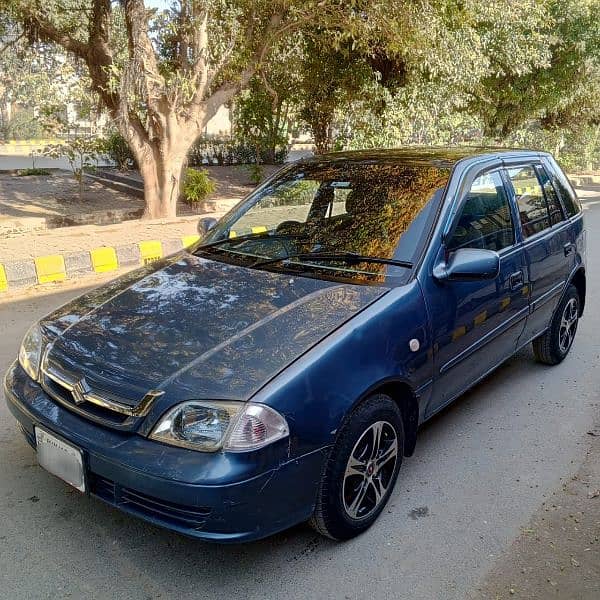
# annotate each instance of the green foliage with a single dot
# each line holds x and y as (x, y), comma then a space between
(576, 149)
(32, 171)
(36, 82)
(256, 172)
(198, 186)
(117, 149)
(561, 88)
(262, 114)
(22, 126)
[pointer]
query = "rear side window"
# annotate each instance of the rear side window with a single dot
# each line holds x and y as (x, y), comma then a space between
(554, 207)
(531, 202)
(485, 219)
(567, 195)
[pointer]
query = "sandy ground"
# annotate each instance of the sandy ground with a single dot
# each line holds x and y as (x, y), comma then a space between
(31, 203)
(57, 195)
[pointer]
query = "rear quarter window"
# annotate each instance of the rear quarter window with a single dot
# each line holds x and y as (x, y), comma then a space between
(563, 187)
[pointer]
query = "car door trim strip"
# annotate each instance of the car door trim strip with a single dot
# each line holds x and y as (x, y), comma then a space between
(488, 337)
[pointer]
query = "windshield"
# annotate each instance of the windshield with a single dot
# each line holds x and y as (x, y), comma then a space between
(334, 219)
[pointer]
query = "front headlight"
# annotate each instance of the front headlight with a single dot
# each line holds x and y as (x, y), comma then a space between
(31, 351)
(211, 426)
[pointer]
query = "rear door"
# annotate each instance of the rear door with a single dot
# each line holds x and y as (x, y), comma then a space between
(547, 242)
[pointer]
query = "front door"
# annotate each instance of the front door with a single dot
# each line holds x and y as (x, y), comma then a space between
(476, 324)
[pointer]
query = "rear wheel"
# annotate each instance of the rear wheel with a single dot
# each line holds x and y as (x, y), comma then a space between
(554, 345)
(361, 471)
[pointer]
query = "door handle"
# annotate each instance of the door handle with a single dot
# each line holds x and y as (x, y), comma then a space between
(568, 248)
(516, 280)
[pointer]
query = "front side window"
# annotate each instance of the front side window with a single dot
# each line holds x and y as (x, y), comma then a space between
(318, 217)
(485, 220)
(533, 209)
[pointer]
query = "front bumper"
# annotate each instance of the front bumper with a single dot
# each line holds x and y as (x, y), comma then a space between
(242, 497)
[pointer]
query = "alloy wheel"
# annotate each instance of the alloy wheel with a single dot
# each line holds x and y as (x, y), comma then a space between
(568, 325)
(370, 470)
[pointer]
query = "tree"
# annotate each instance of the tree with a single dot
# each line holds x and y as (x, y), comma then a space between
(562, 90)
(414, 68)
(261, 117)
(163, 75)
(36, 82)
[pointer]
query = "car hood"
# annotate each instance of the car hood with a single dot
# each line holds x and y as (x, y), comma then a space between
(196, 328)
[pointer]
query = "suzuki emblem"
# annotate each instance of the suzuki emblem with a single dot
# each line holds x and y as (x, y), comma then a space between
(80, 389)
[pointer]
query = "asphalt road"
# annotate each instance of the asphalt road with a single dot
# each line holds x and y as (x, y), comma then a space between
(481, 469)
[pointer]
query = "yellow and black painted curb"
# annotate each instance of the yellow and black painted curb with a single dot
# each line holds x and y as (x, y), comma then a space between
(70, 265)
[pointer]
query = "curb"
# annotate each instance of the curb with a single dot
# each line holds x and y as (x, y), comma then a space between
(583, 180)
(70, 265)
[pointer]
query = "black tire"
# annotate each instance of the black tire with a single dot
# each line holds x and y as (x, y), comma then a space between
(377, 415)
(553, 346)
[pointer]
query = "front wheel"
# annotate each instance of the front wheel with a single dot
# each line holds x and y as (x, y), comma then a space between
(361, 471)
(554, 345)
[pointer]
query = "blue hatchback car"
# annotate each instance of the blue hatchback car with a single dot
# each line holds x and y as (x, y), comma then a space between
(278, 370)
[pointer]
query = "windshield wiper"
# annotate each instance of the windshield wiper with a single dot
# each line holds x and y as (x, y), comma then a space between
(250, 236)
(348, 257)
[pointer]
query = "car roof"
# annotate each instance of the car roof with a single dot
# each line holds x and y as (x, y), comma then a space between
(422, 155)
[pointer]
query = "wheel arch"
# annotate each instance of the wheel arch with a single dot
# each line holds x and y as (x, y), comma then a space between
(578, 279)
(402, 394)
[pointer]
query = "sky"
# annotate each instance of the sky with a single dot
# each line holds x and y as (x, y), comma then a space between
(157, 3)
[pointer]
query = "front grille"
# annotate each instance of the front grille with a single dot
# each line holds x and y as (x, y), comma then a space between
(91, 399)
(63, 395)
(148, 506)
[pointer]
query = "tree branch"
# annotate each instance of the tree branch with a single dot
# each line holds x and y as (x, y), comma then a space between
(227, 90)
(142, 68)
(37, 27)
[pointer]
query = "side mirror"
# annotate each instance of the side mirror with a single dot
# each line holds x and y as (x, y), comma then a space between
(205, 225)
(469, 264)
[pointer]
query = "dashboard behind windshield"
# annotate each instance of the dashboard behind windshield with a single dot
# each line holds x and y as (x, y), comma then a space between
(378, 210)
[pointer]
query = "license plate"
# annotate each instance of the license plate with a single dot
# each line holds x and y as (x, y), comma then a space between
(60, 458)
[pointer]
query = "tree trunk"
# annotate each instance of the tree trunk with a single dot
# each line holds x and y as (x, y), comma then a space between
(162, 181)
(322, 130)
(162, 164)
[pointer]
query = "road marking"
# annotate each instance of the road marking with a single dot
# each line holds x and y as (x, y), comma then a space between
(150, 251)
(3, 279)
(480, 318)
(458, 332)
(50, 268)
(104, 259)
(188, 240)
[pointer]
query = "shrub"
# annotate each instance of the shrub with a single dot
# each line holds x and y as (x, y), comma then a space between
(208, 150)
(197, 186)
(118, 151)
(32, 171)
(256, 173)
(80, 152)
